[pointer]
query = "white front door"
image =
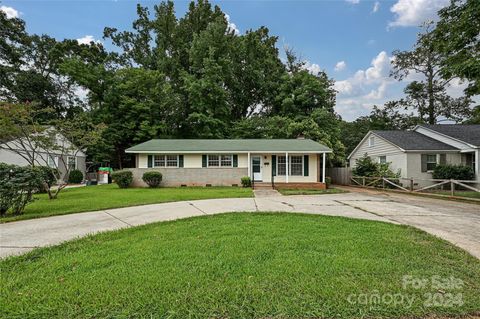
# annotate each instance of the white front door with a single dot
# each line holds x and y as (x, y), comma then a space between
(257, 168)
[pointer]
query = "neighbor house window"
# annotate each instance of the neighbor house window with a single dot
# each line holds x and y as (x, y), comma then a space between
(165, 161)
(213, 160)
(371, 141)
(52, 161)
(296, 165)
(72, 162)
(281, 165)
(226, 160)
(382, 159)
(431, 162)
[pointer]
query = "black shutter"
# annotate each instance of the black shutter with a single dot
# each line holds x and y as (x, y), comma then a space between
(305, 165)
(180, 160)
(424, 163)
(150, 161)
(274, 165)
(235, 160)
(204, 160)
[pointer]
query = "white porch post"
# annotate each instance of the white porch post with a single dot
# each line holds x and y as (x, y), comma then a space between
(248, 165)
(287, 171)
(477, 164)
(323, 168)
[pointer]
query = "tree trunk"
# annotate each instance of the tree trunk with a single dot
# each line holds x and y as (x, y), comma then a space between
(430, 92)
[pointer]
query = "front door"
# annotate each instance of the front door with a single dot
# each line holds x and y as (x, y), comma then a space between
(257, 168)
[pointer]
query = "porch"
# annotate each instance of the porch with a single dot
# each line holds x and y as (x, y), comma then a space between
(287, 170)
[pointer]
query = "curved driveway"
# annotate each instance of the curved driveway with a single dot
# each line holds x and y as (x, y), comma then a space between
(456, 222)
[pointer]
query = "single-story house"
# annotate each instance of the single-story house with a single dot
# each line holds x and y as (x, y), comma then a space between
(21, 152)
(201, 162)
(415, 153)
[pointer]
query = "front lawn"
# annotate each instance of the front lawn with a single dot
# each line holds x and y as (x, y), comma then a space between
(245, 265)
(90, 198)
(467, 194)
(288, 191)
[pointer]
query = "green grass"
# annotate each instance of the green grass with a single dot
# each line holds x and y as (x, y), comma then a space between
(239, 265)
(287, 191)
(90, 198)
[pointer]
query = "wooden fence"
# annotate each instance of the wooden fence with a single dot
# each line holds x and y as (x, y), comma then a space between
(417, 185)
(340, 175)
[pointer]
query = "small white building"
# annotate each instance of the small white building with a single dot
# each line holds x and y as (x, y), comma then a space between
(415, 153)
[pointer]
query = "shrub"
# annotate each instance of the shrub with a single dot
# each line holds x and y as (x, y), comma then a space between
(122, 178)
(246, 181)
(365, 166)
(75, 177)
(459, 172)
(152, 178)
(17, 186)
(328, 181)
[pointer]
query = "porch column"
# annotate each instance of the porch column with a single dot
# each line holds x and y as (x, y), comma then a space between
(248, 165)
(477, 164)
(323, 168)
(286, 168)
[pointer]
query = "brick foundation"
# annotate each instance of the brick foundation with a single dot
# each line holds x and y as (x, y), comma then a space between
(300, 186)
(173, 177)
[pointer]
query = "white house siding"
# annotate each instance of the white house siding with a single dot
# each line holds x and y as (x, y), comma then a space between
(381, 148)
(191, 160)
(10, 157)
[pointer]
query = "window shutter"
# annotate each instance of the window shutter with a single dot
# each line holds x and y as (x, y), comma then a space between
(235, 160)
(150, 161)
(274, 165)
(305, 165)
(424, 163)
(204, 160)
(180, 160)
(443, 159)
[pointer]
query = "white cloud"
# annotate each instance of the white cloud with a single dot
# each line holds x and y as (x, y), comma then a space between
(10, 12)
(340, 66)
(232, 26)
(353, 1)
(376, 6)
(415, 12)
(366, 87)
(312, 68)
(87, 39)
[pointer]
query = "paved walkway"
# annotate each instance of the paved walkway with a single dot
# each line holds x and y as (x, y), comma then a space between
(456, 222)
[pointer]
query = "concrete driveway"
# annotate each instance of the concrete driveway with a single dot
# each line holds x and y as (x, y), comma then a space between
(456, 222)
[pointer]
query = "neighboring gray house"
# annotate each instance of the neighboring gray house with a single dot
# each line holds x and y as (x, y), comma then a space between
(66, 154)
(415, 153)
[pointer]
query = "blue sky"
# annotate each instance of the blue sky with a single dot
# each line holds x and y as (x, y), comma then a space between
(352, 40)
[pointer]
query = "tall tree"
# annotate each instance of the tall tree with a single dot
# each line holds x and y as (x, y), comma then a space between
(457, 40)
(428, 97)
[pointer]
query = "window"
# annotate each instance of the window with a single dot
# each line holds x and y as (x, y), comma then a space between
(172, 160)
(281, 165)
(382, 159)
(226, 160)
(52, 161)
(296, 165)
(159, 161)
(165, 161)
(371, 141)
(431, 162)
(213, 161)
(72, 162)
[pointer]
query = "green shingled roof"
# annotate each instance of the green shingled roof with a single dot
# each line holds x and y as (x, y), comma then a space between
(229, 145)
